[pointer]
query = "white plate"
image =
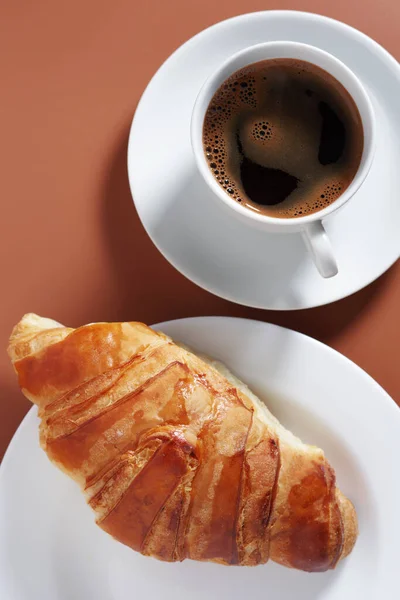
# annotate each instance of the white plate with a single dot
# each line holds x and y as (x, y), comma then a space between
(209, 245)
(50, 548)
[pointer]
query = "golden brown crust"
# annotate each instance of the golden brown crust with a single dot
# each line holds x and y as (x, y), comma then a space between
(308, 534)
(174, 460)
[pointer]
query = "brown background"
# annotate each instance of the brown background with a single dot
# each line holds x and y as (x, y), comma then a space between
(71, 244)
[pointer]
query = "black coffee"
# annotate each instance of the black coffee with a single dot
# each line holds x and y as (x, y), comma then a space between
(283, 137)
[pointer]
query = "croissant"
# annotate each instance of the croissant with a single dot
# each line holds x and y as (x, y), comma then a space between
(177, 458)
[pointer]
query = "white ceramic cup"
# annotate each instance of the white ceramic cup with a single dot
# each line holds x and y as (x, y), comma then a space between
(311, 226)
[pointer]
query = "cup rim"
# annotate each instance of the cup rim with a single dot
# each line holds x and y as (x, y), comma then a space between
(209, 88)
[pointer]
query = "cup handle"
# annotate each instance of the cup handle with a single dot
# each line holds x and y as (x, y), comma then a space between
(317, 242)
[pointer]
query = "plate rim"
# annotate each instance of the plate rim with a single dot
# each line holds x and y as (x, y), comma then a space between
(303, 15)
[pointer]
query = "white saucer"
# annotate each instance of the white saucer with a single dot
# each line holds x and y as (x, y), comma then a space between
(199, 237)
(50, 548)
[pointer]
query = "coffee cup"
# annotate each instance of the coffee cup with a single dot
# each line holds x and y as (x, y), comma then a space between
(310, 225)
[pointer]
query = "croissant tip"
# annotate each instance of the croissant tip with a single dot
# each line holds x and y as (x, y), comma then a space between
(29, 324)
(30, 320)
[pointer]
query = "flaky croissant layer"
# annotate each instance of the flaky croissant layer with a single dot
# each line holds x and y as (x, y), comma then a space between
(176, 460)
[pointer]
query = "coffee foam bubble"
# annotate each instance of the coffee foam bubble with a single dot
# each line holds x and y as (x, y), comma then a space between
(318, 200)
(262, 131)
